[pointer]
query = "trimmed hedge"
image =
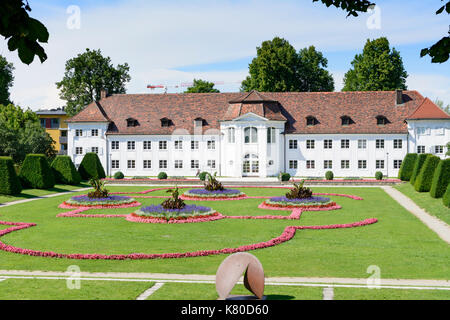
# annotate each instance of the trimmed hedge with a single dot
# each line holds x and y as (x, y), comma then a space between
(119, 175)
(446, 197)
(417, 166)
(379, 175)
(441, 179)
(329, 175)
(36, 173)
(91, 167)
(285, 177)
(65, 171)
(425, 177)
(407, 167)
(9, 181)
(162, 176)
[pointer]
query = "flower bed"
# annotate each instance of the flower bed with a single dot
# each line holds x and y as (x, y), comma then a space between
(108, 202)
(312, 202)
(203, 194)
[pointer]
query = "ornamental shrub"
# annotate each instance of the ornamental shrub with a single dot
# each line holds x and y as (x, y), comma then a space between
(119, 175)
(36, 173)
(285, 176)
(202, 175)
(91, 167)
(407, 167)
(379, 175)
(162, 176)
(441, 179)
(329, 175)
(446, 197)
(65, 171)
(417, 166)
(425, 177)
(9, 181)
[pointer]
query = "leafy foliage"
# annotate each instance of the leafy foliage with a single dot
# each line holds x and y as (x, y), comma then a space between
(279, 68)
(351, 6)
(86, 76)
(91, 167)
(406, 170)
(36, 172)
(378, 68)
(202, 175)
(417, 166)
(440, 51)
(299, 191)
(174, 202)
(64, 171)
(212, 184)
(99, 189)
(441, 179)
(329, 175)
(119, 175)
(283, 176)
(379, 175)
(201, 86)
(22, 32)
(162, 176)
(9, 182)
(6, 80)
(446, 197)
(425, 177)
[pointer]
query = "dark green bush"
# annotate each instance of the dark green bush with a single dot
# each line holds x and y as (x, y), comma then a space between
(91, 167)
(417, 166)
(441, 179)
(425, 177)
(119, 175)
(329, 175)
(285, 176)
(64, 171)
(202, 175)
(379, 175)
(446, 197)
(162, 176)
(9, 181)
(36, 173)
(407, 167)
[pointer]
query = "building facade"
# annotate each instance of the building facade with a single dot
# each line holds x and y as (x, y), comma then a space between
(54, 122)
(353, 134)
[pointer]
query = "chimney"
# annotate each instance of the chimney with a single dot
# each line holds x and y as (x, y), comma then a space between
(399, 96)
(103, 94)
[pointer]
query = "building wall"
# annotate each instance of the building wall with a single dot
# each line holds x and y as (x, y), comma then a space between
(429, 134)
(56, 133)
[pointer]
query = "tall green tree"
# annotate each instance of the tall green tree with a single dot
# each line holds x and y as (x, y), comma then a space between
(279, 68)
(201, 86)
(6, 80)
(86, 76)
(378, 68)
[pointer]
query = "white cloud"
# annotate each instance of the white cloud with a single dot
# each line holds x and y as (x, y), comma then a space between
(431, 86)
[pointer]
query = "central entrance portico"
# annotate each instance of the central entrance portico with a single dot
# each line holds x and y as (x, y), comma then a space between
(250, 166)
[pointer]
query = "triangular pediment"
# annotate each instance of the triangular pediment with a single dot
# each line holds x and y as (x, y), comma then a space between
(250, 117)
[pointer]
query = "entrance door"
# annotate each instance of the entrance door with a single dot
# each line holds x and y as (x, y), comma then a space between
(250, 165)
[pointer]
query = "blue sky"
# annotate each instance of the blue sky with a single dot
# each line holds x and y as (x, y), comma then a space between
(172, 42)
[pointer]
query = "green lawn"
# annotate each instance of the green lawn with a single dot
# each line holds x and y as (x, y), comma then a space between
(433, 206)
(399, 243)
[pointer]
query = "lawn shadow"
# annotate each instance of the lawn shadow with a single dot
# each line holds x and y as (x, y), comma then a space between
(279, 297)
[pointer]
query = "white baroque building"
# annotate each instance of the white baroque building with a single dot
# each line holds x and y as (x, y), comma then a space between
(353, 134)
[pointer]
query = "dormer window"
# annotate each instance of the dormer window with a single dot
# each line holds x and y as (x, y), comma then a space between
(199, 122)
(382, 120)
(311, 121)
(132, 122)
(165, 122)
(346, 120)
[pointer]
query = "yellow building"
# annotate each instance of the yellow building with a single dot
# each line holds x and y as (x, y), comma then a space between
(54, 122)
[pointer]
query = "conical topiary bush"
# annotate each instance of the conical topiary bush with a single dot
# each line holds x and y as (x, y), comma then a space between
(425, 177)
(36, 173)
(441, 179)
(65, 171)
(417, 166)
(91, 167)
(407, 167)
(9, 181)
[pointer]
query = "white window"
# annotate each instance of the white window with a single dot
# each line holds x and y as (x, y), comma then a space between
(178, 164)
(293, 164)
(94, 150)
(147, 164)
(79, 133)
(79, 150)
(345, 144)
(115, 164)
(163, 145)
(131, 164)
(163, 164)
(231, 135)
(379, 144)
(439, 149)
(212, 164)
(362, 144)
(211, 145)
(194, 145)
(147, 145)
(397, 164)
(398, 144)
(379, 164)
(131, 145)
(271, 135)
(94, 132)
(328, 164)
(310, 164)
(420, 149)
(251, 135)
(440, 131)
(362, 164)
(328, 144)
(178, 145)
(421, 131)
(293, 144)
(195, 164)
(114, 145)
(345, 164)
(310, 144)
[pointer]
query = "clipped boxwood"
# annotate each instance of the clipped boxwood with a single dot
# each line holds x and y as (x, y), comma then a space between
(91, 167)
(379, 175)
(65, 171)
(329, 175)
(36, 173)
(285, 176)
(425, 177)
(446, 197)
(162, 176)
(441, 179)
(202, 175)
(407, 167)
(417, 166)
(9, 181)
(119, 175)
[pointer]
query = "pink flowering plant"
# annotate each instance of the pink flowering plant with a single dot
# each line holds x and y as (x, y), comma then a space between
(111, 200)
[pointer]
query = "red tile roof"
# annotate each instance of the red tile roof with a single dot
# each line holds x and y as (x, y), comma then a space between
(428, 110)
(327, 107)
